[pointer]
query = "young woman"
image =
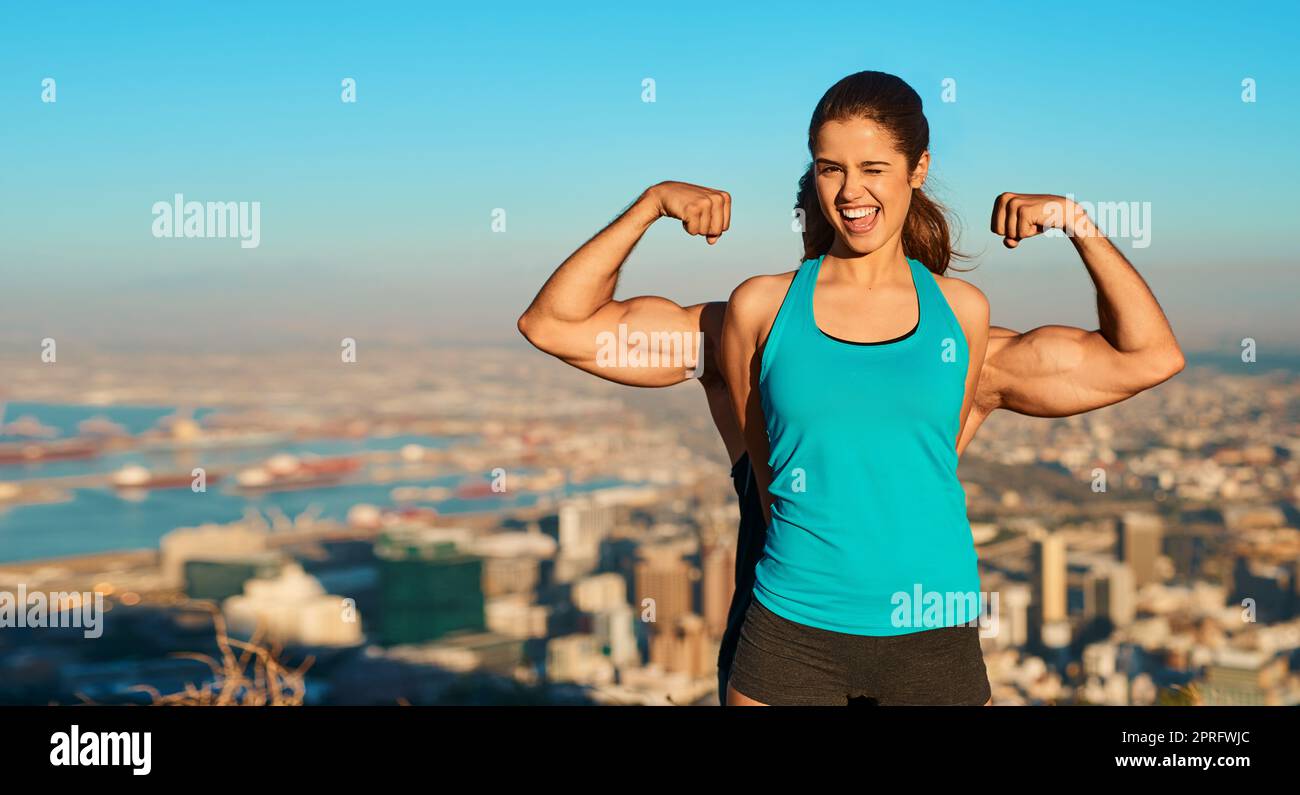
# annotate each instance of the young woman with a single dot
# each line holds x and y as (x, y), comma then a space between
(1050, 371)
(852, 378)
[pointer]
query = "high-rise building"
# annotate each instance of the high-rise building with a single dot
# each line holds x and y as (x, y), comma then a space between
(1109, 594)
(1138, 543)
(663, 579)
(428, 588)
(719, 581)
(1050, 585)
(584, 523)
(1049, 611)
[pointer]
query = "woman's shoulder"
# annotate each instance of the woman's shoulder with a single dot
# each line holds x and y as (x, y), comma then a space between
(759, 296)
(969, 305)
(964, 297)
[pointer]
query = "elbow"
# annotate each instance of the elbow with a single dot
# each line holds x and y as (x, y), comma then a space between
(1164, 364)
(1172, 361)
(1177, 361)
(532, 328)
(525, 325)
(543, 333)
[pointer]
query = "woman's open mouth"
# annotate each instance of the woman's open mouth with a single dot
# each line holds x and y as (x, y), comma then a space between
(859, 220)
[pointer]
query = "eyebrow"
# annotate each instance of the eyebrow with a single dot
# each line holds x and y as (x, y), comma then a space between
(863, 163)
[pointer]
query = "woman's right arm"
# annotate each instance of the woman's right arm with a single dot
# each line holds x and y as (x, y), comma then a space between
(575, 317)
(750, 312)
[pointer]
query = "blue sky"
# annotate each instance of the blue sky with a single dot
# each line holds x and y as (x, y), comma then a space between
(376, 216)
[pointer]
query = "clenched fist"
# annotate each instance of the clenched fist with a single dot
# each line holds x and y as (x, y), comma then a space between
(1017, 216)
(702, 211)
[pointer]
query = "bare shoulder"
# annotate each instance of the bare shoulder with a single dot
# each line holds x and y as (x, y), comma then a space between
(964, 297)
(757, 299)
(968, 303)
(761, 289)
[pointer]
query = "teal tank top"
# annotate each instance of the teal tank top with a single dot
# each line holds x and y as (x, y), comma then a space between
(868, 532)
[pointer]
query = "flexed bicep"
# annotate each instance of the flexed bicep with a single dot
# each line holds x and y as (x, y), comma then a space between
(645, 341)
(1059, 371)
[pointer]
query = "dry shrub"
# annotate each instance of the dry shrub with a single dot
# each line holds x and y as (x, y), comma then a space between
(249, 674)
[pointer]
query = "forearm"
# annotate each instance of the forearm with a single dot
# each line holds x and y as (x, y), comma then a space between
(585, 282)
(1128, 315)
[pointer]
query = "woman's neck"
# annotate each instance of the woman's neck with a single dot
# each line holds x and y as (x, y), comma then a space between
(884, 265)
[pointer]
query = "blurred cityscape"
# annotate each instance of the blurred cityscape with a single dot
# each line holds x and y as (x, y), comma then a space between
(489, 526)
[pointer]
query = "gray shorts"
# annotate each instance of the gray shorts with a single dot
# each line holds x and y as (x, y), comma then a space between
(783, 663)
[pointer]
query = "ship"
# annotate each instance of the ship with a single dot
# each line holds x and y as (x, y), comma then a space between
(286, 472)
(37, 452)
(137, 477)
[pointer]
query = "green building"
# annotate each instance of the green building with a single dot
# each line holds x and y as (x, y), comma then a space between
(428, 588)
(221, 578)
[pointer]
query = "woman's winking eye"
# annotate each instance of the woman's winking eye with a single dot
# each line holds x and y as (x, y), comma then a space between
(826, 169)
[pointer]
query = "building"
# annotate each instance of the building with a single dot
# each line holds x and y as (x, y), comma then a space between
(584, 523)
(208, 542)
(684, 648)
(1138, 543)
(428, 588)
(719, 582)
(600, 592)
(1049, 583)
(1109, 595)
(222, 578)
(293, 609)
(1244, 677)
(577, 658)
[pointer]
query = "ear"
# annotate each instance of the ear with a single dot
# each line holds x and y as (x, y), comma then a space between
(922, 169)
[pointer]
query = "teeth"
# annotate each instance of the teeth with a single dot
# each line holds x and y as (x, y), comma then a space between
(861, 212)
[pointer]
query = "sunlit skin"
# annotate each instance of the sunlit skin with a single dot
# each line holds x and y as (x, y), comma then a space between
(1050, 371)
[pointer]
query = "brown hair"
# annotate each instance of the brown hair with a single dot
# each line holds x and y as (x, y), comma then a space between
(890, 102)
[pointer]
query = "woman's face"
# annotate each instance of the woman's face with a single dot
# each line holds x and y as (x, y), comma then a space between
(863, 183)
